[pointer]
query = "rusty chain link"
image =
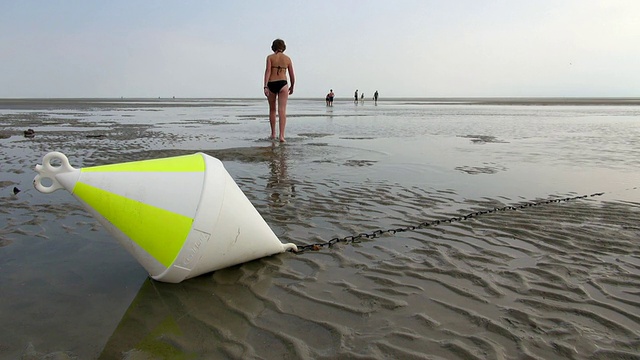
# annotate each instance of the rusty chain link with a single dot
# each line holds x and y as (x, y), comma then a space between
(374, 234)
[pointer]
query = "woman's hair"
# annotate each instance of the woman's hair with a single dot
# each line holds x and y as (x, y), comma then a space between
(278, 45)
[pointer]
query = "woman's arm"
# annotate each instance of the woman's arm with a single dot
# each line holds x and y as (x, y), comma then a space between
(292, 77)
(267, 75)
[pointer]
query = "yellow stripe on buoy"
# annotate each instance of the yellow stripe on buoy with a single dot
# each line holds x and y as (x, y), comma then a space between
(159, 232)
(187, 163)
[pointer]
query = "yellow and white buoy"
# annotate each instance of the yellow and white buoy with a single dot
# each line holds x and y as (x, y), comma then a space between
(180, 217)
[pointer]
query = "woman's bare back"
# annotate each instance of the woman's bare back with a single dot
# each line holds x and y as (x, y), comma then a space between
(279, 65)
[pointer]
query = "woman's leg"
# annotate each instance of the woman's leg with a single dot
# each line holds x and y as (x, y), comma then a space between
(272, 114)
(283, 96)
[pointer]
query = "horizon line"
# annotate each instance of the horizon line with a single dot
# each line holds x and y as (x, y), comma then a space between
(322, 98)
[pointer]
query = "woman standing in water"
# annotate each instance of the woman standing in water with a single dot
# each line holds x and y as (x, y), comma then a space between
(276, 87)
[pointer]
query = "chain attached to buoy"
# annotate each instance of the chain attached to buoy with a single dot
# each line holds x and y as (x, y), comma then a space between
(426, 224)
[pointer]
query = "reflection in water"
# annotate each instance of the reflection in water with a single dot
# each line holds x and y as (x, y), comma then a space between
(281, 189)
(330, 112)
(211, 316)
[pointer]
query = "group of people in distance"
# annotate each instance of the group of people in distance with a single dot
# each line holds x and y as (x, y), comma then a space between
(331, 95)
(278, 87)
(355, 97)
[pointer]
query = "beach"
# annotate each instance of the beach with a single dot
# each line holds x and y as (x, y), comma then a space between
(547, 267)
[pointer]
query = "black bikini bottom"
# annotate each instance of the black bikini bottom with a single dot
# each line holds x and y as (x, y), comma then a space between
(276, 86)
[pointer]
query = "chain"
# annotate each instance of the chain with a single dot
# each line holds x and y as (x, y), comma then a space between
(377, 233)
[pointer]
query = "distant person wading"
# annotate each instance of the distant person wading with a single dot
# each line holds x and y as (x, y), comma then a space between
(276, 86)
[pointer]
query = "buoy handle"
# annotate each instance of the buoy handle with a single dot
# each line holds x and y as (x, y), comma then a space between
(290, 247)
(48, 171)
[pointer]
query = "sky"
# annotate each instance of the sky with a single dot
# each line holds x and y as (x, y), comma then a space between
(402, 48)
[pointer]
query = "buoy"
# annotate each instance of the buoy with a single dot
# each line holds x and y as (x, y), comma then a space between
(180, 217)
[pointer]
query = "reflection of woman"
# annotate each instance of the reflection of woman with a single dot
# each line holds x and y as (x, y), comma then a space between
(281, 188)
(276, 87)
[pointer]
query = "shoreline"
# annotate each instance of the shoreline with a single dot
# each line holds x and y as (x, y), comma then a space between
(21, 103)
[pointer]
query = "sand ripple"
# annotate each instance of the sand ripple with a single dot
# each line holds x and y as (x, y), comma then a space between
(558, 280)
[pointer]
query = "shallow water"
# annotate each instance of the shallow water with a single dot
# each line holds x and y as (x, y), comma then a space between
(557, 280)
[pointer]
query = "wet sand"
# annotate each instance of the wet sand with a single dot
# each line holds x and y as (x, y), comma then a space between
(556, 280)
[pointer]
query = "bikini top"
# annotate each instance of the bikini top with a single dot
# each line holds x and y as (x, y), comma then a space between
(280, 68)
